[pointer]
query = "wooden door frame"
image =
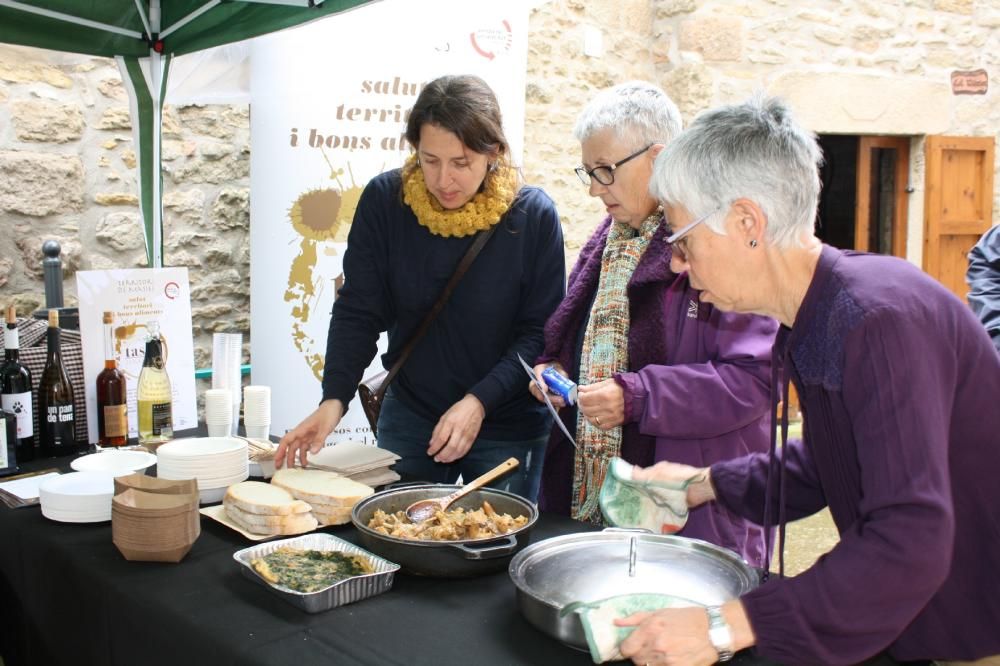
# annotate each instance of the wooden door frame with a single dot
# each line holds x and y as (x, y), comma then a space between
(862, 215)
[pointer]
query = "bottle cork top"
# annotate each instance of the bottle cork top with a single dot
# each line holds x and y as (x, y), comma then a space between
(11, 315)
(53, 318)
(108, 318)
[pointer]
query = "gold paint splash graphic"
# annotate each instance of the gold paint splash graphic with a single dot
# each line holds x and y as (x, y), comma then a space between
(319, 216)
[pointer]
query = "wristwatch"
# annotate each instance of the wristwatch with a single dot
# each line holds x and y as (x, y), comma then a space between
(719, 633)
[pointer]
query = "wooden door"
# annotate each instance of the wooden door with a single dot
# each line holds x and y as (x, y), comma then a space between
(958, 205)
(883, 186)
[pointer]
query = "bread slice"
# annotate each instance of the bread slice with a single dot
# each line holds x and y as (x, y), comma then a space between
(336, 517)
(263, 498)
(321, 488)
(293, 524)
(263, 519)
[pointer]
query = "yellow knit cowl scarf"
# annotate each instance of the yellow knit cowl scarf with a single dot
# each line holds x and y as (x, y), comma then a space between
(482, 212)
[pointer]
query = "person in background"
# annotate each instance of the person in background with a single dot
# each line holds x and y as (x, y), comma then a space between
(459, 405)
(661, 375)
(984, 282)
(898, 385)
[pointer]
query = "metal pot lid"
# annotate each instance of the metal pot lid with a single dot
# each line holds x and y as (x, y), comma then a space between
(591, 566)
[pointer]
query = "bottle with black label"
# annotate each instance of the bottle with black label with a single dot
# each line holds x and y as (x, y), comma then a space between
(8, 443)
(155, 401)
(112, 410)
(15, 390)
(56, 415)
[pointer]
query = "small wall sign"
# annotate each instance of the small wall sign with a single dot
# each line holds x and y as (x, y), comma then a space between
(973, 82)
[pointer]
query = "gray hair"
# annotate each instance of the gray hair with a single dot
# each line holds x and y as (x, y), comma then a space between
(754, 150)
(638, 112)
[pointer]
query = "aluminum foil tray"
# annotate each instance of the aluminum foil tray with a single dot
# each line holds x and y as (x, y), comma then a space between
(340, 593)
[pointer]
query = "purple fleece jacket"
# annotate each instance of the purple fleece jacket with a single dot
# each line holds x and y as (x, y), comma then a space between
(900, 390)
(697, 391)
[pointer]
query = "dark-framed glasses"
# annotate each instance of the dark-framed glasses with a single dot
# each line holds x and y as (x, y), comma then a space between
(605, 173)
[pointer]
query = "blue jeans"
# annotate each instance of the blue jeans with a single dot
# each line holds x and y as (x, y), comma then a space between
(408, 435)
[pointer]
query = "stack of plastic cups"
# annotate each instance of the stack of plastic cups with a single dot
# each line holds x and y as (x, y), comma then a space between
(257, 411)
(227, 355)
(219, 412)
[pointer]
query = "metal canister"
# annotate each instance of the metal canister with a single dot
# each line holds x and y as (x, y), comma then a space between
(560, 385)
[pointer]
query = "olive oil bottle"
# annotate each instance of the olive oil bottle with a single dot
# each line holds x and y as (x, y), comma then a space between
(155, 401)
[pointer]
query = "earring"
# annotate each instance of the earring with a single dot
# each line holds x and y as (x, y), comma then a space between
(753, 243)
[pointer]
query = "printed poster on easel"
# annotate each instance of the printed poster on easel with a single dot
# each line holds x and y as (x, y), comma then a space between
(138, 297)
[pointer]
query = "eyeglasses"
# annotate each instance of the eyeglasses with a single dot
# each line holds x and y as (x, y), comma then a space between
(605, 174)
(677, 241)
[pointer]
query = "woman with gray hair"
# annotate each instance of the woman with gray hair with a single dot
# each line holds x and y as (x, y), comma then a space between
(898, 385)
(661, 375)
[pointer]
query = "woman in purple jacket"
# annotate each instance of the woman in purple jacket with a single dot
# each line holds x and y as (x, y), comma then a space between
(898, 386)
(661, 375)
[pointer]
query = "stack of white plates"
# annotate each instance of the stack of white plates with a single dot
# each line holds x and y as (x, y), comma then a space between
(214, 462)
(77, 497)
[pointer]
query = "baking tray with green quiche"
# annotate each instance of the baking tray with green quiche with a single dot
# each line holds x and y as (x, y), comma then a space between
(316, 572)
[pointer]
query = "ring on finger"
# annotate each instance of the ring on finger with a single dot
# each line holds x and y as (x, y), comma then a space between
(597, 420)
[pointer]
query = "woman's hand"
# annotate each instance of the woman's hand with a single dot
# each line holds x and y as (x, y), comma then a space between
(698, 492)
(680, 635)
(309, 435)
(554, 398)
(457, 430)
(668, 636)
(602, 403)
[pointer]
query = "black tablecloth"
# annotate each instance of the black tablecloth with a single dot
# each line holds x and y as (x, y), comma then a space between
(68, 597)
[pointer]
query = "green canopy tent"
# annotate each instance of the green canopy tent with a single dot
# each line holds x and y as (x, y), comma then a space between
(143, 36)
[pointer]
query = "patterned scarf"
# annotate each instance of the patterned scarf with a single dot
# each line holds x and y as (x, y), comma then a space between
(605, 352)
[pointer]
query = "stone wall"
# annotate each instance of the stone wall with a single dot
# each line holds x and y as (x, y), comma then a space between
(68, 173)
(67, 170)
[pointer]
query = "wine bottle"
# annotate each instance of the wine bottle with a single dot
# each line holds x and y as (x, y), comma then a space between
(15, 390)
(155, 402)
(112, 403)
(8, 445)
(56, 417)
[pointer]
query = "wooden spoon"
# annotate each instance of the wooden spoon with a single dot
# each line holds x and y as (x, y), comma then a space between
(423, 509)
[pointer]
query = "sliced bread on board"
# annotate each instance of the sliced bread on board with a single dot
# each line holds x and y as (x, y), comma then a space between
(298, 523)
(326, 491)
(263, 498)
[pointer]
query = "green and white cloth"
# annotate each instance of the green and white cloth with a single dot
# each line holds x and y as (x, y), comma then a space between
(656, 506)
(598, 619)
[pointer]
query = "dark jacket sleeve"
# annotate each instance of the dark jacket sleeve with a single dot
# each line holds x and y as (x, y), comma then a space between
(984, 282)
(740, 485)
(362, 310)
(543, 287)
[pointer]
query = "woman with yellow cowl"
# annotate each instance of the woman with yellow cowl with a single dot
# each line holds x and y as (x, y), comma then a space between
(459, 405)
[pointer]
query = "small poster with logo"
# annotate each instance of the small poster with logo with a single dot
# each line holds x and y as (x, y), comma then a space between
(144, 303)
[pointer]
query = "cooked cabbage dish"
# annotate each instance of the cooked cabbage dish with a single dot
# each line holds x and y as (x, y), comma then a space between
(309, 570)
(451, 525)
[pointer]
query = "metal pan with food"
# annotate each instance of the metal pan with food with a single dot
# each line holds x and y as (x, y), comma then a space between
(446, 558)
(365, 575)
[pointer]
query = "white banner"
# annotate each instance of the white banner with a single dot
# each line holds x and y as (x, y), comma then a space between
(137, 297)
(330, 102)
